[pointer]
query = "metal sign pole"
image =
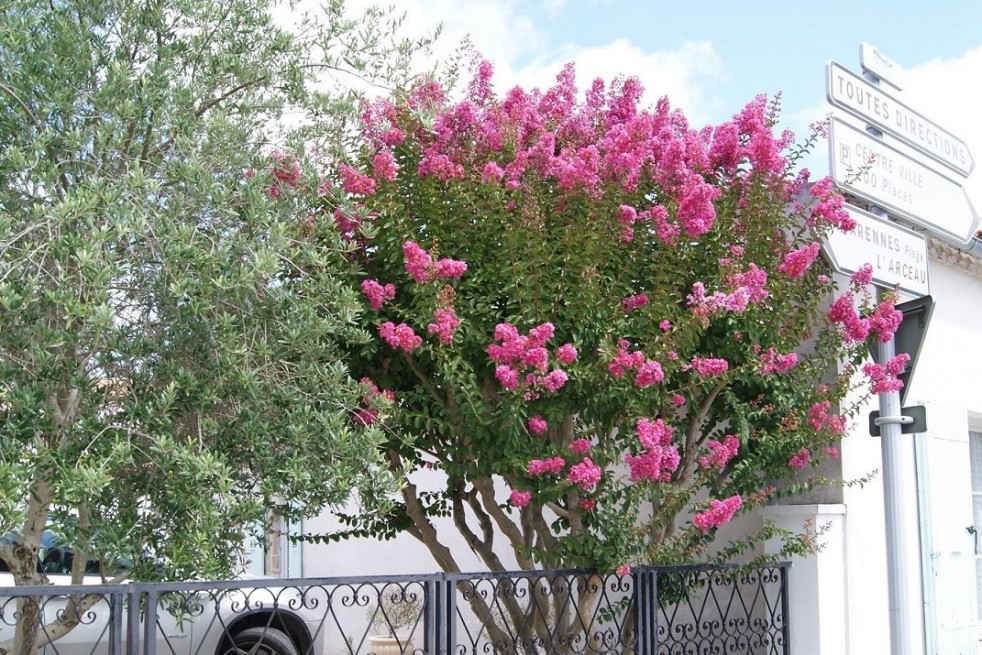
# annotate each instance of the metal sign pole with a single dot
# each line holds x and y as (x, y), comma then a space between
(906, 629)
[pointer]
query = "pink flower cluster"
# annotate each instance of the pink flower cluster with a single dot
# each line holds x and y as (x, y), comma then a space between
(743, 289)
(523, 360)
(422, 268)
(800, 459)
(377, 294)
(356, 183)
(709, 366)
(581, 446)
(550, 136)
(554, 465)
(647, 371)
(884, 378)
(830, 208)
(634, 302)
(444, 325)
(538, 425)
(797, 262)
(586, 474)
(773, 362)
(861, 278)
(286, 173)
(520, 498)
(659, 458)
(883, 322)
(720, 452)
(368, 414)
(400, 336)
(819, 418)
(719, 513)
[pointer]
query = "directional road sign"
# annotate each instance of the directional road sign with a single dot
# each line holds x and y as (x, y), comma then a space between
(892, 177)
(898, 255)
(849, 91)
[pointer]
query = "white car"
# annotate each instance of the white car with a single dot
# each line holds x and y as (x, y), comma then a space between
(191, 618)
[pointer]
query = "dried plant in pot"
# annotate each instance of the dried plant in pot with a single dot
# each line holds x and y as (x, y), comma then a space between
(393, 622)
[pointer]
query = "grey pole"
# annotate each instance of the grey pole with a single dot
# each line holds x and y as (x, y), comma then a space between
(900, 524)
(903, 540)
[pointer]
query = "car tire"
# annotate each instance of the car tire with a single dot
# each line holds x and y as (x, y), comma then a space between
(263, 641)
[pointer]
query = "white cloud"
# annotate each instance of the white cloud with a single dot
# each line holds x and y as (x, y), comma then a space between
(523, 54)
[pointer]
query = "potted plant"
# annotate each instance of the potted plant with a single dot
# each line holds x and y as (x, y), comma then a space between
(393, 623)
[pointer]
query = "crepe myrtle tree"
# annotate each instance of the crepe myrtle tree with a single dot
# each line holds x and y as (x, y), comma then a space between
(613, 312)
(166, 379)
(622, 317)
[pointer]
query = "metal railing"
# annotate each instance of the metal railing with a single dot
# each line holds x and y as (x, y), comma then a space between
(678, 610)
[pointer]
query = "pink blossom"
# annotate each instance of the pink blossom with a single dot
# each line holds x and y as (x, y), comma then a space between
(862, 277)
(882, 380)
(538, 425)
(400, 336)
(773, 362)
(580, 446)
(588, 504)
(422, 268)
(678, 400)
(507, 376)
(885, 320)
(819, 418)
(445, 324)
(897, 365)
(800, 459)
(709, 366)
(719, 513)
(377, 294)
(554, 465)
(797, 262)
(492, 173)
(540, 334)
(624, 361)
(648, 373)
(555, 380)
(653, 433)
(654, 464)
(832, 452)
(696, 212)
(586, 474)
(520, 498)
(622, 570)
(384, 166)
(830, 208)
(566, 353)
(356, 183)
(419, 264)
(634, 302)
(665, 325)
(537, 358)
(720, 452)
(450, 269)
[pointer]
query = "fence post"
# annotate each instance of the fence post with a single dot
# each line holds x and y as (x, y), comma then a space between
(645, 610)
(132, 620)
(785, 611)
(116, 623)
(150, 622)
(445, 610)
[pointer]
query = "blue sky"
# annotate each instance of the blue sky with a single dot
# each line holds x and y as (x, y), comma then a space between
(711, 57)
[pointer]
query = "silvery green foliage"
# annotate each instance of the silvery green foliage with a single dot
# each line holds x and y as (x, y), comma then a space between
(170, 351)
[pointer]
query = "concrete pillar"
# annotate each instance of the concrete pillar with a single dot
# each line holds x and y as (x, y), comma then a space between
(816, 584)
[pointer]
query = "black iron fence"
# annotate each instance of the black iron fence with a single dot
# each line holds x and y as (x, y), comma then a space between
(684, 610)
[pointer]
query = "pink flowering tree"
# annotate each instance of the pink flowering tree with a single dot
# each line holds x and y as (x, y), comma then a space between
(609, 329)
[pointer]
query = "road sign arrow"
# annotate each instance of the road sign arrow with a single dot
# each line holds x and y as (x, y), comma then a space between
(892, 177)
